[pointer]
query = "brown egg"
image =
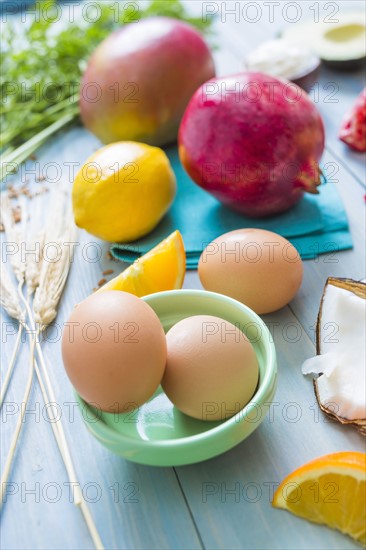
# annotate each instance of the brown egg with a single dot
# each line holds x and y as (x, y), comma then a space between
(212, 370)
(114, 351)
(259, 268)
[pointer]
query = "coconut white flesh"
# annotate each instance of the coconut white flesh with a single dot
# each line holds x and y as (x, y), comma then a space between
(342, 360)
(339, 41)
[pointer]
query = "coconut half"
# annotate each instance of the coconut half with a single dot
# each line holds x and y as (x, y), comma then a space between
(340, 362)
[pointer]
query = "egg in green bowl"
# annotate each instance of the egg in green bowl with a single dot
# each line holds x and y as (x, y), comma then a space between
(157, 433)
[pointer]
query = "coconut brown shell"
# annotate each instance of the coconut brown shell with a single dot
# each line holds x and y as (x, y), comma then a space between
(358, 288)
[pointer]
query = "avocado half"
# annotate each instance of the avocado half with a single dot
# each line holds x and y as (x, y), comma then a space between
(341, 45)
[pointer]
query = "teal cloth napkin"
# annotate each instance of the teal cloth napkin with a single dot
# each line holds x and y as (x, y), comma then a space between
(317, 225)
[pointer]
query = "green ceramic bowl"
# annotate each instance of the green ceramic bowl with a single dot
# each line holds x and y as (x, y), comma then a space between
(157, 433)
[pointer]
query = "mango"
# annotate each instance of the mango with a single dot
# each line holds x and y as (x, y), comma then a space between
(140, 79)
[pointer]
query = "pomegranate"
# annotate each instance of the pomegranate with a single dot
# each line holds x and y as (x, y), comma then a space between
(253, 141)
(353, 129)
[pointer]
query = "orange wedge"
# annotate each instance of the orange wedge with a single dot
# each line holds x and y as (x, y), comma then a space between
(330, 490)
(162, 268)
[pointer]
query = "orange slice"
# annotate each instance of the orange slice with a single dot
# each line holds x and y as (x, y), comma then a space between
(162, 268)
(330, 490)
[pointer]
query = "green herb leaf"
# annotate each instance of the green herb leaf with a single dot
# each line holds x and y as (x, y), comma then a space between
(41, 70)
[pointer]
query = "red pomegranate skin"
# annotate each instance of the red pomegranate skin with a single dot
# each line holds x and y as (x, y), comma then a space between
(139, 80)
(253, 141)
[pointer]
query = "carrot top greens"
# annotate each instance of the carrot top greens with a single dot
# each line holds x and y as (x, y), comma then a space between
(42, 59)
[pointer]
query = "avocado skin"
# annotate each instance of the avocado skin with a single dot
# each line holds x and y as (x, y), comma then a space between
(346, 64)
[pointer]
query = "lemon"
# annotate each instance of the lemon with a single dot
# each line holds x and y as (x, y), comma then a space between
(162, 268)
(123, 191)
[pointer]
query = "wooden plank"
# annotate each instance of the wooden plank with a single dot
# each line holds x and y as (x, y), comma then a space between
(292, 434)
(161, 518)
(279, 445)
(348, 263)
(136, 507)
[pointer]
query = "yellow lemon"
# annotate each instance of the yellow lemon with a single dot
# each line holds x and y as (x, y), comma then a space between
(123, 191)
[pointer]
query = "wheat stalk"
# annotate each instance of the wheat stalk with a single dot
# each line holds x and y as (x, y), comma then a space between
(14, 237)
(34, 262)
(51, 279)
(19, 424)
(8, 297)
(9, 301)
(60, 233)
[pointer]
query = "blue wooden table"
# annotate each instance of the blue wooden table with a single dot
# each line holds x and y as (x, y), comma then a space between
(224, 502)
